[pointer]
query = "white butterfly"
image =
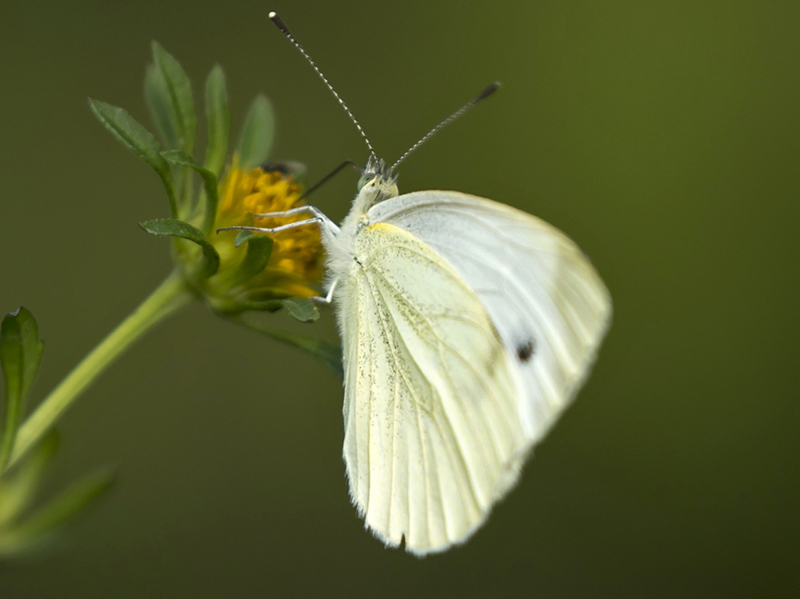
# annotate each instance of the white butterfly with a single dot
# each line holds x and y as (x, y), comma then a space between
(467, 328)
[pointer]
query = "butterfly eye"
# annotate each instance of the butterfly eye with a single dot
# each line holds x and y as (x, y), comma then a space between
(365, 179)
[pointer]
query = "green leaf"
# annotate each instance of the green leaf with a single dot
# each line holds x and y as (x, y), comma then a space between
(20, 355)
(219, 120)
(175, 93)
(170, 227)
(156, 97)
(49, 519)
(259, 249)
(132, 135)
(20, 485)
(179, 97)
(177, 157)
(301, 309)
(138, 140)
(238, 306)
(243, 237)
(20, 331)
(330, 354)
(257, 134)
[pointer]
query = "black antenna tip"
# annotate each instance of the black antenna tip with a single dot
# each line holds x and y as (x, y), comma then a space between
(488, 91)
(277, 20)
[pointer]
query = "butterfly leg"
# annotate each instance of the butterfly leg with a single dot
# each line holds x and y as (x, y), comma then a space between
(289, 212)
(328, 296)
(273, 230)
(318, 218)
(326, 224)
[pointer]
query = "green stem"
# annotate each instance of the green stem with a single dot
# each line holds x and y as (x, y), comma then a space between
(167, 298)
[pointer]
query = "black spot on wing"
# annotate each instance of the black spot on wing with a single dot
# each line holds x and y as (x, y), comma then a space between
(525, 350)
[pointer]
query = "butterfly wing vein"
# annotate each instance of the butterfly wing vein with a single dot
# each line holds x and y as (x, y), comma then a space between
(431, 420)
(536, 284)
(468, 327)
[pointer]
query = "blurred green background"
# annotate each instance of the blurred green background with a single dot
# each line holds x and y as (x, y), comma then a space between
(663, 136)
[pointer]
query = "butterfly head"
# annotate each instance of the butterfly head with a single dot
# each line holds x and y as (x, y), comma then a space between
(377, 182)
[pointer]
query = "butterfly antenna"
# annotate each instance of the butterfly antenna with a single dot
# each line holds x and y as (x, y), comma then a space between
(285, 30)
(460, 112)
(328, 177)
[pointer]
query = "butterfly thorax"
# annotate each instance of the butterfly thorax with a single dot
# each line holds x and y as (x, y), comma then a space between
(377, 184)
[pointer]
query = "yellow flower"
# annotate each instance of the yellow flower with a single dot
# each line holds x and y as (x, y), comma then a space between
(296, 261)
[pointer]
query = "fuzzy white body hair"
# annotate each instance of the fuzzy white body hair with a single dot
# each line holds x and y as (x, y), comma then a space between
(340, 244)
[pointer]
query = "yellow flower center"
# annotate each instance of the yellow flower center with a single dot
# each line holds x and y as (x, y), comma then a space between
(296, 259)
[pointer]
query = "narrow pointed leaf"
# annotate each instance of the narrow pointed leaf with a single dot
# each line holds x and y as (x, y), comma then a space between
(330, 354)
(132, 135)
(158, 104)
(209, 181)
(176, 91)
(179, 94)
(19, 486)
(259, 249)
(255, 305)
(170, 227)
(301, 309)
(138, 140)
(40, 527)
(257, 133)
(219, 120)
(243, 237)
(20, 355)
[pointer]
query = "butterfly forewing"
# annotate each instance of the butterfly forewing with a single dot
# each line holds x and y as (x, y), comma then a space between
(433, 431)
(544, 297)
